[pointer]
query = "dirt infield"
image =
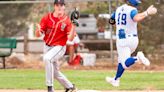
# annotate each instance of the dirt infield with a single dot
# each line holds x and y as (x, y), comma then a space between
(79, 91)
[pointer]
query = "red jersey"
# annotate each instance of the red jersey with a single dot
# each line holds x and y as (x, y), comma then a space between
(55, 29)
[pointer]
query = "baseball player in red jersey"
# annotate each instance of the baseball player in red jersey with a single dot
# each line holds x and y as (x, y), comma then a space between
(57, 29)
(72, 49)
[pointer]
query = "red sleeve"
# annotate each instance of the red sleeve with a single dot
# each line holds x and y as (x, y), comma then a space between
(43, 24)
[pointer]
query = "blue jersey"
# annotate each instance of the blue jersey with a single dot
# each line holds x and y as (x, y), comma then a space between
(125, 24)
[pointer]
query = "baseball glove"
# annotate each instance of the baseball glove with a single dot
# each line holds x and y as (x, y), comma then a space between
(75, 16)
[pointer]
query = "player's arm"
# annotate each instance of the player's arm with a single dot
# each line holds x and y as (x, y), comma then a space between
(40, 28)
(140, 16)
(112, 19)
(137, 16)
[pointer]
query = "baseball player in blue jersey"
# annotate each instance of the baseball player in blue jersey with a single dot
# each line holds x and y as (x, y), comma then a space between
(126, 17)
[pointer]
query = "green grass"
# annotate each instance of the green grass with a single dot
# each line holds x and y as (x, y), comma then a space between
(84, 79)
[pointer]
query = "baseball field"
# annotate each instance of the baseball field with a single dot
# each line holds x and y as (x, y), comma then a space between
(27, 80)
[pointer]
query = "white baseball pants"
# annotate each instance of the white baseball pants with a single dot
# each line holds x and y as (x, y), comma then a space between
(125, 47)
(51, 56)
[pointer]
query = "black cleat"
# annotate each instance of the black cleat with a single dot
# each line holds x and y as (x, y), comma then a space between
(50, 89)
(74, 89)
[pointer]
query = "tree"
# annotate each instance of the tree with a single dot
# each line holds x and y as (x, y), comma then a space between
(13, 18)
(151, 29)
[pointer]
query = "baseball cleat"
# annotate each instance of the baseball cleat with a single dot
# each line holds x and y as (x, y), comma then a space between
(74, 89)
(50, 89)
(112, 81)
(143, 59)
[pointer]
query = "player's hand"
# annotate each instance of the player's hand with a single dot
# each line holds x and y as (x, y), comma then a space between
(151, 10)
(37, 31)
(75, 16)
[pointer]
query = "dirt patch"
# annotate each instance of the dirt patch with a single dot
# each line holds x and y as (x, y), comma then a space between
(106, 64)
(34, 61)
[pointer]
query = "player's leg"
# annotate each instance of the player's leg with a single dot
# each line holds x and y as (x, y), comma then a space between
(59, 76)
(122, 66)
(72, 45)
(70, 48)
(74, 57)
(52, 68)
(140, 55)
(125, 60)
(48, 69)
(71, 53)
(124, 55)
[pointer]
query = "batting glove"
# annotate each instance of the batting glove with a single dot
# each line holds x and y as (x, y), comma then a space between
(151, 10)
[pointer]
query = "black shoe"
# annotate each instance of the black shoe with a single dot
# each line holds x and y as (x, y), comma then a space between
(50, 89)
(74, 89)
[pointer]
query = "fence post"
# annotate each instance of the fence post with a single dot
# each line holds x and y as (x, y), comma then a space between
(111, 36)
(25, 44)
